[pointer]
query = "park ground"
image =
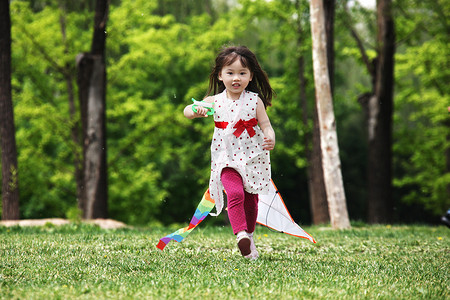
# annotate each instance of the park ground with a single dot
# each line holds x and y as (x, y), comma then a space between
(85, 261)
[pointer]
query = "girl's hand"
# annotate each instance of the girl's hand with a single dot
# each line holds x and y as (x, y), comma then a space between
(268, 144)
(266, 127)
(190, 114)
(201, 112)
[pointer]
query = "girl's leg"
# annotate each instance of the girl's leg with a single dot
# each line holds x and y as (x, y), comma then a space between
(251, 211)
(251, 214)
(232, 182)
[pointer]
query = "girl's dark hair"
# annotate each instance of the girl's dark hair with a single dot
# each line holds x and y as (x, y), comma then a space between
(260, 82)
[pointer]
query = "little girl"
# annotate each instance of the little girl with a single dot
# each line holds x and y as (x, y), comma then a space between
(240, 161)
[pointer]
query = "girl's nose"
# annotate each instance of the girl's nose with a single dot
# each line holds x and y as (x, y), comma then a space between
(236, 77)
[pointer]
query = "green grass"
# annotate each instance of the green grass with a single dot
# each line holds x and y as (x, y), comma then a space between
(85, 262)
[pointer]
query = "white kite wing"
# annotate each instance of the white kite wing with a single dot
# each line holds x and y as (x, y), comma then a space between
(272, 212)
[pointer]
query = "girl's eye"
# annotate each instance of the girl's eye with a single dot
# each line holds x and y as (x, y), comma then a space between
(229, 73)
(243, 73)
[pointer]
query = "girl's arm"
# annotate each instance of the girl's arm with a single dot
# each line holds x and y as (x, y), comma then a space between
(266, 127)
(201, 111)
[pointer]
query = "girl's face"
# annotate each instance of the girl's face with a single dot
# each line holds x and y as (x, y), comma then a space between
(235, 77)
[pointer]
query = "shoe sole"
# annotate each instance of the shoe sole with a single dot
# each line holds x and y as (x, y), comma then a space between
(244, 246)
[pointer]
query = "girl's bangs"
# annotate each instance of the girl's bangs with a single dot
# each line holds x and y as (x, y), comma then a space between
(231, 58)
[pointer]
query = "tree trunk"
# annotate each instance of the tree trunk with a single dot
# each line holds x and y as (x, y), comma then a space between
(329, 11)
(320, 206)
(95, 146)
(92, 93)
(380, 206)
(84, 70)
(378, 109)
(10, 180)
(318, 194)
(328, 137)
(75, 134)
(316, 186)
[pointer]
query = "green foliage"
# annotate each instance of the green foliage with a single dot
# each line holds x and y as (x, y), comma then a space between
(74, 214)
(156, 155)
(155, 65)
(45, 149)
(422, 120)
(84, 261)
(422, 104)
(159, 57)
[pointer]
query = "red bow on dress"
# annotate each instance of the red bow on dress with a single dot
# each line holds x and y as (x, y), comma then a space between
(243, 125)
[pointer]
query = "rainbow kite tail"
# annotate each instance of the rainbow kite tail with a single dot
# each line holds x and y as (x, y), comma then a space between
(203, 209)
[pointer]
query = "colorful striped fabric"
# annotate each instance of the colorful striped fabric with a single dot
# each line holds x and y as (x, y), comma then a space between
(203, 209)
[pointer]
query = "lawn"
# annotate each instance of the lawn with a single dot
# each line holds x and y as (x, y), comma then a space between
(86, 262)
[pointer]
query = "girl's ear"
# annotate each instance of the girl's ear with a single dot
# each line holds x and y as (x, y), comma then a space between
(219, 76)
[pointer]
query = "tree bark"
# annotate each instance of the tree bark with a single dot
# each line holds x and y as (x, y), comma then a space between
(92, 93)
(318, 194)
(84, 70)
(380, 206)
(329, 11)
(328, 136)
(10, 180)
(316, 186)
(320, 207)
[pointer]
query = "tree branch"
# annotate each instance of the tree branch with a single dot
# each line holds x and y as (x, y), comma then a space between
(46, 56)
(362, 50)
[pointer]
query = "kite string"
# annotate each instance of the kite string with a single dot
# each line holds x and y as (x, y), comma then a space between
(270, 206)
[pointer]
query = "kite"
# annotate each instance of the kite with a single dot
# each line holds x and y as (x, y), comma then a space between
(272, 213)
(203, 209)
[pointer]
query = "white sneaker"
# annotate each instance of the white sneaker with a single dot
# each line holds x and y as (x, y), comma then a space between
(253, 252)
(243, 242)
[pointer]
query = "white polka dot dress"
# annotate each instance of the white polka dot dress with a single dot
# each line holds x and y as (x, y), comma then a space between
(237, 143)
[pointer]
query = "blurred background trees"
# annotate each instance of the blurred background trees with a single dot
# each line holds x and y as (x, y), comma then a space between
(158, 56)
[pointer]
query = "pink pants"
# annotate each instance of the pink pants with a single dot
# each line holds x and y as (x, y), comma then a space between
(242, 206)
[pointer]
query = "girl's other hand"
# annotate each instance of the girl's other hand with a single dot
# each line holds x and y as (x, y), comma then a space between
(268, 144)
